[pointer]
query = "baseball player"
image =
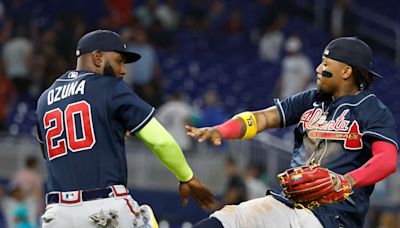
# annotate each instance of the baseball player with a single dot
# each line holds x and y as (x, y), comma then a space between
(343, 133)
(82, 120)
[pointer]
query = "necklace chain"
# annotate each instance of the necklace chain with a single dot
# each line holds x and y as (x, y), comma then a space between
(321, 121)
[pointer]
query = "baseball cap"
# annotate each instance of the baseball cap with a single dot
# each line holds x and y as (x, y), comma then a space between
(352, 51)
(105, 40)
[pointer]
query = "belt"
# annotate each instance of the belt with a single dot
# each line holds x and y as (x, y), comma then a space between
(86, 195)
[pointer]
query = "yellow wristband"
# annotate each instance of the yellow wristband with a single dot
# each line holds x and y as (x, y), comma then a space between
(251, 124)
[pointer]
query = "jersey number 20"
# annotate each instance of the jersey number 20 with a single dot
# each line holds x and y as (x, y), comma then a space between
(57, 148)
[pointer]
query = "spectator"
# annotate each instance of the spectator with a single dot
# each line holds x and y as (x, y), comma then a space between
(160, 37)
(271, 10)
(271, 41)
(195, 15)
(255, 187)
(211, 113)
(174, 115)
(217, 14)
(21, 217)
(20, 13)
(3, 220)
(342, 21)
(13, 204)
(31, 183)
(137, 41)
(146, 13)
(5, 24)
(143, 75)
(235, 191)
(297, 70)
(168, 15)
(64, 38)
(234, 24)
(45, 45)
(216, 18)
(53, 65)
(17, 57)
(68, 29)
(119, 12)
(7, 97)
(2, 14)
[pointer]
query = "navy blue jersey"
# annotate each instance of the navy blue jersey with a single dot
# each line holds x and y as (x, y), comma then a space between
(82, 119)
(338, 135)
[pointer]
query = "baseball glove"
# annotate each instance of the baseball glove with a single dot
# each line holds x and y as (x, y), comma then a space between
(312, 186)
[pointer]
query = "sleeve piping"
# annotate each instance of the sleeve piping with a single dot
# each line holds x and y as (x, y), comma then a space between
(382, 137)
(148, 117)
(278, 103)
(37, 138)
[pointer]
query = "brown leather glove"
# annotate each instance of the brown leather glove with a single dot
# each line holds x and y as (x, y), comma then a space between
(313, 186)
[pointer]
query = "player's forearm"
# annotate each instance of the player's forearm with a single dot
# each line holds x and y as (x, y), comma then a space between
(163, 145)
(382, 164)
(247, 124)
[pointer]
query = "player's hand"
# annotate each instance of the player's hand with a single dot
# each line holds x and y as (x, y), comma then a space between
(196, 189)
(206, 133)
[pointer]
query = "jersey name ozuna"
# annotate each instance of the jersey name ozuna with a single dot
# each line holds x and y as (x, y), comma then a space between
(64, 91)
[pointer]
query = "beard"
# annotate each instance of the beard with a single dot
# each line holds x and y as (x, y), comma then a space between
(324, 92)
(108, 70)
(319, 89)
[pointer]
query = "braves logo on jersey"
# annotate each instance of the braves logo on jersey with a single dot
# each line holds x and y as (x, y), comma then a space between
(314, 121)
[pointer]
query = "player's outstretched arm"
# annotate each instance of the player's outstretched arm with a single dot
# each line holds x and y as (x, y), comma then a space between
(242, 126)
(163, 145)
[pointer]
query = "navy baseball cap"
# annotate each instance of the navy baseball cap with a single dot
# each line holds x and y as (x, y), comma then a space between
(352, 51)
(105, 40)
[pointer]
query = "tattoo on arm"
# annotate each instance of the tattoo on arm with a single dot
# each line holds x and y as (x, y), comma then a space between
(268, 118)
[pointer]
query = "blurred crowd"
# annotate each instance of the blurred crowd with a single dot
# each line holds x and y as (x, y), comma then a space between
(240, 187)
(38, 40)
(22, 198)
(37, 45)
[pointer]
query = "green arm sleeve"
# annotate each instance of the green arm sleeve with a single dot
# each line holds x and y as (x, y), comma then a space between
(164, 146)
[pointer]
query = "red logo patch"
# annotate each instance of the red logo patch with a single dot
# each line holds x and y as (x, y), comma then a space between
(352, 138)
(337, 129)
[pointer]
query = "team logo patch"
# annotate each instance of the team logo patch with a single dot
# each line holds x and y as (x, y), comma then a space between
(336, 129)
(352, 138)
(296, 177)
(70, 197)
(73, 74)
